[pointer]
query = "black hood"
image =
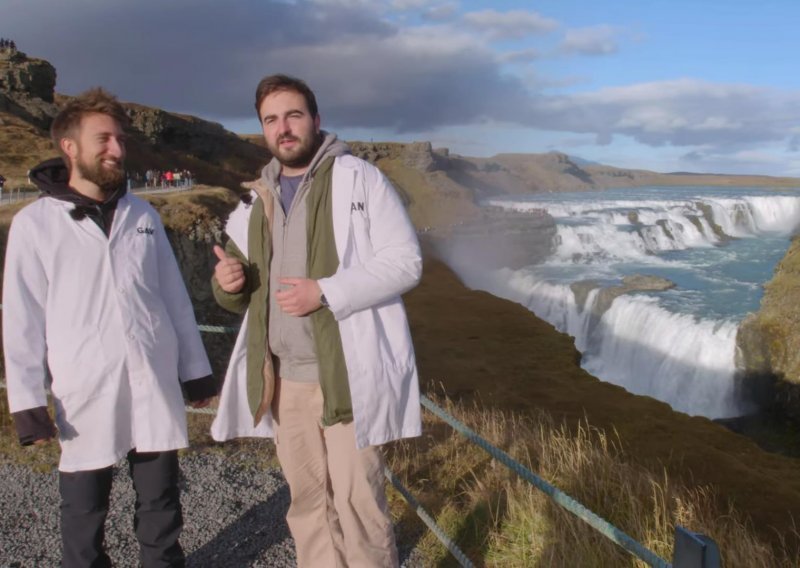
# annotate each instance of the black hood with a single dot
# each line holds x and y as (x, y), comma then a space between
(52, 179)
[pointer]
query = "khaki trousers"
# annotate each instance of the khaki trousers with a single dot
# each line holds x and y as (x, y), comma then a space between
(338, 514)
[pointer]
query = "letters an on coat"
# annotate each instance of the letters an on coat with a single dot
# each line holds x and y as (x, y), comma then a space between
(356, 206)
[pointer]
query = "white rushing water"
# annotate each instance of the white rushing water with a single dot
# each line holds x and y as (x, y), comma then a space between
(717, 245)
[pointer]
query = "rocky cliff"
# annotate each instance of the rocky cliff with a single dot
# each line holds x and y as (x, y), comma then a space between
(27, 87)
(768, 341)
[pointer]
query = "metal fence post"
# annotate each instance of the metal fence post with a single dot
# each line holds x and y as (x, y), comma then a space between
(694, 550)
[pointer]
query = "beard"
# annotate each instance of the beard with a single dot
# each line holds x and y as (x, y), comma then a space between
(107, 179)
(299, 156)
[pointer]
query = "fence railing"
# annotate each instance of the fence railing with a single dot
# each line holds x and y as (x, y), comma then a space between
(690, 550)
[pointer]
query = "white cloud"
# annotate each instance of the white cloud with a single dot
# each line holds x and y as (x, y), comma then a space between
(509, 25)
(408, 5)
(595, 40)
(682, 112)
(441, 13)
(521, 56)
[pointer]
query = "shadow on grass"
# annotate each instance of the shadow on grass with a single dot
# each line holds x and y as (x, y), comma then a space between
(481, 521)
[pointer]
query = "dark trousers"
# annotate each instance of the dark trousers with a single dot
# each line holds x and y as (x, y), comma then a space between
(157, 519)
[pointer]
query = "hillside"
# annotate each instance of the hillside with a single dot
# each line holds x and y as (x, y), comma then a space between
(157, 139)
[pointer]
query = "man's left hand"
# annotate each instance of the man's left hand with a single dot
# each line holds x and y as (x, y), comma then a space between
(201, 403)
(301, 298)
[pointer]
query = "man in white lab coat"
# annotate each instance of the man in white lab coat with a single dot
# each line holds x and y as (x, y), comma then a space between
(94, 302)
(318, 258)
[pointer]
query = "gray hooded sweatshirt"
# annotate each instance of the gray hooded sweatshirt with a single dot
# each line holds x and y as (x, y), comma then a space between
(290, 338)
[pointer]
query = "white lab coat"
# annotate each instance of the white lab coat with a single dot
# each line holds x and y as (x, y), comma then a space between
(111, 320)
(379, 259)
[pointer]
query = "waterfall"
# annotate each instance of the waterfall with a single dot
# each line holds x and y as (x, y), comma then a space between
(677, 346)
(676, 358)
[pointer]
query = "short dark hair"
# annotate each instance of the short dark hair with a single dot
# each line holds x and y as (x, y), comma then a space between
(93, 101)
(274, 83)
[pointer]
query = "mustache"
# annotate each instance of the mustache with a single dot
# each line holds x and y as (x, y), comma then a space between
(288, 137)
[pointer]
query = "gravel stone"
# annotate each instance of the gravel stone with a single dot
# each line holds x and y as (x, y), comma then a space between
(234, 516)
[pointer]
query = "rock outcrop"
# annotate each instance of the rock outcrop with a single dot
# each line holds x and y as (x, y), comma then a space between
(27, 77)
(202, 140)
(27, 87)
(419, 156)
(768, 341)
(607, 294)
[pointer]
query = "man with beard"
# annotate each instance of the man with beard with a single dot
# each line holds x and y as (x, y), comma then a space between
(319, 253)
(94, 304)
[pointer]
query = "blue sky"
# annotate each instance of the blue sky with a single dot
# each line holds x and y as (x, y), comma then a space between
(706, 86)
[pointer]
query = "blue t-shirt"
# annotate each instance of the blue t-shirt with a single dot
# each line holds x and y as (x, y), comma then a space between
(289, 185)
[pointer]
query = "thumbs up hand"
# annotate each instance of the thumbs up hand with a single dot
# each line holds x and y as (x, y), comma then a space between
(229, 272)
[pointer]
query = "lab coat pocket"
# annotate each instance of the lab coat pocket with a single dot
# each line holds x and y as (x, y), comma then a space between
(77, 363)
(164, 339)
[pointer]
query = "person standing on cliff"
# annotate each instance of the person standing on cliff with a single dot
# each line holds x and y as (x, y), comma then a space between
(319, 253)
(94, 303)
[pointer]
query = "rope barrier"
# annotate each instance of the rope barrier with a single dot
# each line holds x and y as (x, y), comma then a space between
(217, 329)
(429, 521)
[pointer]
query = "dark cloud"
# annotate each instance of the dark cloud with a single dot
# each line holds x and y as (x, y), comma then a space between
(199, 56)
(205, 57)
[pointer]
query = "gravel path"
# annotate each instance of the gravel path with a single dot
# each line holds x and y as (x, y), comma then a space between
(234, 516)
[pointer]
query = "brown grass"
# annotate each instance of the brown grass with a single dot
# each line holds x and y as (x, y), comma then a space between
(24, 146)
(501, 520)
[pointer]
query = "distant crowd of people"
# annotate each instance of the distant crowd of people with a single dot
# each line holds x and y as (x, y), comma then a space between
(8, 44)
(163, 178)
